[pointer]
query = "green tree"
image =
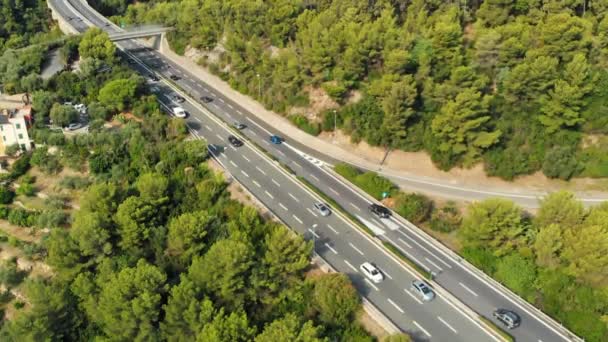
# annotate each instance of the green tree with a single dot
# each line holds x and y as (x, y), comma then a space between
(335, 298)
(289, 328)
(227, 327)
(92, 231)
(152, 186)
(223, 271)
(186, 312)
(415, 207)
(548, 246)
(560, 162)
(586, 253)
(517, 273)
(139, 223)
(495, 224)
(461, 127)
(560, 208)
(96, 43)
(62, 115)
(186, 236)
(6, 195)
(119, 94)
(562, 106)
(129, 303)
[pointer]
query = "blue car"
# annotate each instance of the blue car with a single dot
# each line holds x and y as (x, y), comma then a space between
(275, 139)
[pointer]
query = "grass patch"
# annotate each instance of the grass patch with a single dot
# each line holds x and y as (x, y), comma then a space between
(426, 274)
(304, 124)
(498, 329)
(370, 182)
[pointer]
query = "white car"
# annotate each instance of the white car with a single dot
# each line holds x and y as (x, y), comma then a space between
(322, 209)
(81, 108)
(372, 272)
(179, 112)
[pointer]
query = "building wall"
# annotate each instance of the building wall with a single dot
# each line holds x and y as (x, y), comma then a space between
(15, 132)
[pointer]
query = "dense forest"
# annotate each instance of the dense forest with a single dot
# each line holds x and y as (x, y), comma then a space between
(520, 85)
(156, 249)
(25, 22)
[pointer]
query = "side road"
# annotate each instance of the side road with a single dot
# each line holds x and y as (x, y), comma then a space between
(331, 153)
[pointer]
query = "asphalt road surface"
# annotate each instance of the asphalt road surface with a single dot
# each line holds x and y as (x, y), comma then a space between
(338, 242)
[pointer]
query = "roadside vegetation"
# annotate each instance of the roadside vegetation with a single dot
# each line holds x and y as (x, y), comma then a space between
(126, 233)
(517, 85)
(556, 259)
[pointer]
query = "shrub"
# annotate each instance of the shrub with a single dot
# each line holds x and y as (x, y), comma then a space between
(335, 91)
(10, 275)
(13, 150)
(304, 124)
(47, 162)
(347, 171)
(27, 179)
(20, 166)
(51, 219)
(26, 189)
(560, 162)
(19, 305)
(446, 219)
(56, 201)
(6, 195)
(20, 217)
(481, 258)
(74, 182)
(4, 210)
(414, 207)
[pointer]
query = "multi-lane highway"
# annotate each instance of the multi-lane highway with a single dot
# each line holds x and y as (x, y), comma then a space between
(337, 241)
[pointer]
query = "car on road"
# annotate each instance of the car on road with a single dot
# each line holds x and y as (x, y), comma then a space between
(423, 290)
(174, 77)
(275, 139)
(380, 211)
(322, 209)
(206, 99)
(177, 98)
(179, 112)
(372, 272)
(234, 141)
(239, 125)
(509, 318)
(154, 78)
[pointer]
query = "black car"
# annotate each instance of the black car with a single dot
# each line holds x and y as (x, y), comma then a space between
(154, 78)
(239, 125)
(507, 317)
(174, 77)
(177, 98)
(235, 141)
(206, 99)
(380, 211)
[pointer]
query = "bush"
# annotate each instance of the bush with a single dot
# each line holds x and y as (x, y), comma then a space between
(6, 195)
(21, 217)
(347, 171)
(446, 219)
(414, 207)
(13, 150)
(19, 305)
(335, 91)
(26, 189)
(304, 124)
(47, 162)
(51, 219)
(482, 258)
(560, 162)
(74, 182)
(10, 275)
(20, 166)
(56, 201)
(4, 211)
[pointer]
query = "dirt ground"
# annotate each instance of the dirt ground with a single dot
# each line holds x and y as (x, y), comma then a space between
(419, 163)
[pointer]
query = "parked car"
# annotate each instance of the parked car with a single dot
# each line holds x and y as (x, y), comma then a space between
(509, 318)
(239, 125)
(179, 112)
(80, 108)
(372, 272)
(177, 98)
(380, 211)
(234, 141)
(275, 139)
(175, 77)
(206, 99)
(74, 126)
(322, 209)
(423, 290)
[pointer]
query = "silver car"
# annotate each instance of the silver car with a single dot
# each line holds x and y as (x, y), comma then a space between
(322, 209)
(423, 290)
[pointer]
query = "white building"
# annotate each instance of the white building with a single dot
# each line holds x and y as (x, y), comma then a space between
(13, 128)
